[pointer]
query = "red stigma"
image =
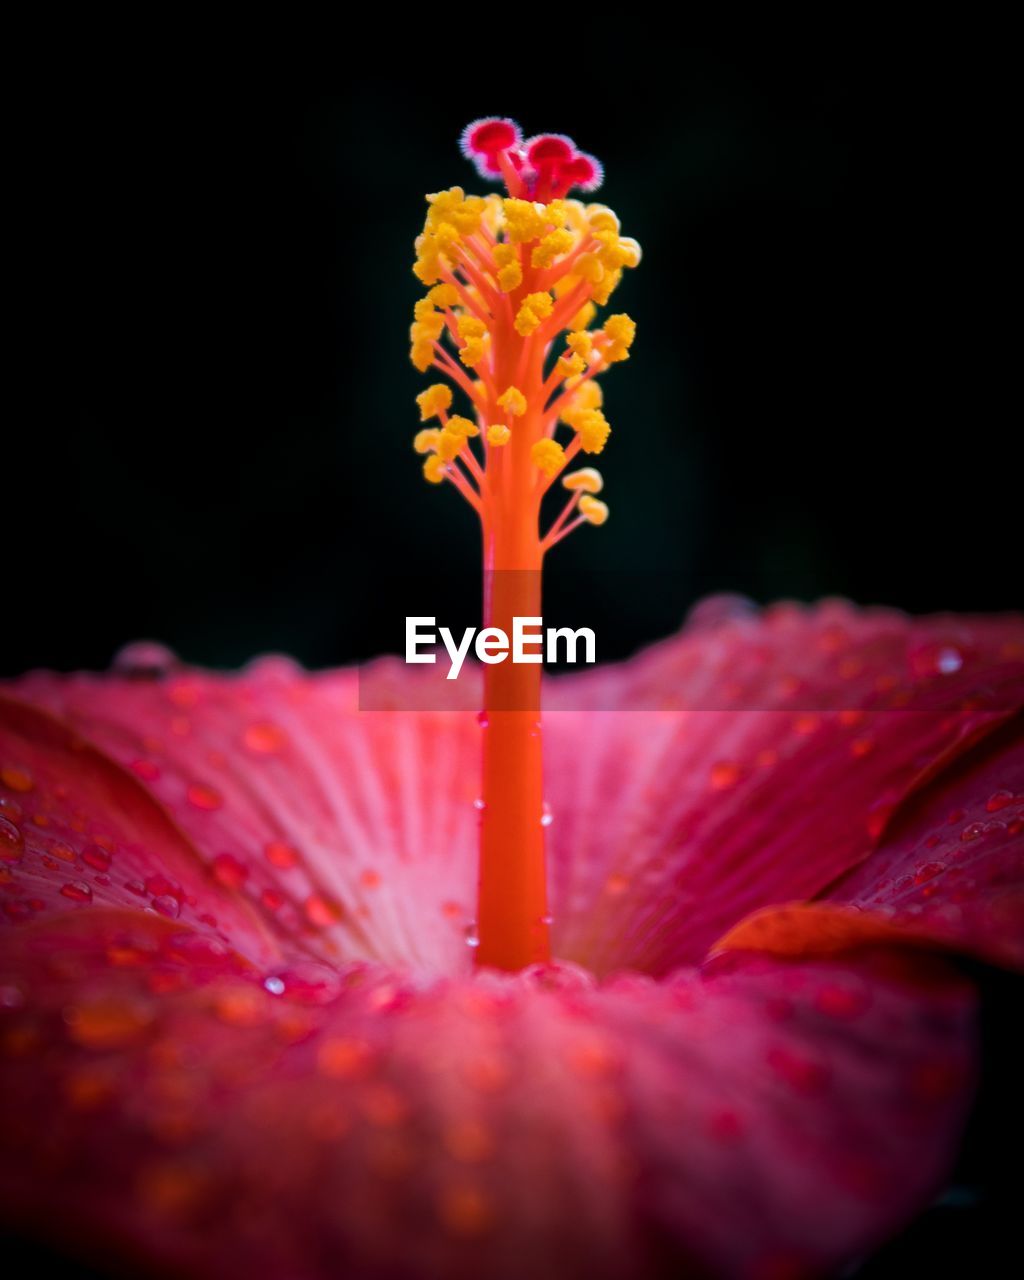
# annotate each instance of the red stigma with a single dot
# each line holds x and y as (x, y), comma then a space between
(546, 166)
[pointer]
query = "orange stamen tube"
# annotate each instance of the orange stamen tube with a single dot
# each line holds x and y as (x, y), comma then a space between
(508, 276)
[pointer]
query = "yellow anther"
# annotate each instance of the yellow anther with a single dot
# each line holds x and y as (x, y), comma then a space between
(549, 456)
(593, 510)
(470, 327)
(433, 469)
(601, 218)
(588, 267)
(632, 251)
(586, 478)
(571, 365)
(422, 354)
(535, 308)
(460, 426)
(498, 435)
(427, 267)
(448, 237)
(588, 396)
(434, 400)
(621, 331)
(593, 430)
(449, 444)
(560, 212)
(424, 309)
(444, 295)
(580, 343)
(432, 327)
(510, 273)
(615, 252)
(524, 220)
(604, 290)
(426, 441)
(583, 317)
(472, 353)
(554, 245)
(513, 402)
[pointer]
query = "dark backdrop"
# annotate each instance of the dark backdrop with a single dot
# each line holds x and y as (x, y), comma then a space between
(219, 399)
(210, 329)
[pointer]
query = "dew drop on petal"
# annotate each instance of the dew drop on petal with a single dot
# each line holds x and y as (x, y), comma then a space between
(107, 1023)
(77, 891)
(282, 855)
(16, 779)
(971, 832)
(96, 857)
(472, 935)
(10, 841)
(166, 905)
(264, 739)
(999, 800)
(724, 774)
(480, 803)
(229, 871)
(546, 817)
(306, 983)
(204, 797)
(144, 660)
(321, 912)
(935, 659)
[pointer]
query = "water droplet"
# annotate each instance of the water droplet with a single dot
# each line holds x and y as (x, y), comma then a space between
(306, 983)
(724, 774)
(935, 659)
(547, 920)
(546, 817)
(928, 872)
(165, 905)
(10, 841)
(471, 935)
(482, 719)
(204, 797)
(11, 997)
(715, 610)
(77, 891)
(229, 872)
(999, 800)
(264, 739)
(108, 1023)
(322, 912)
(16, 779)
(62, 850)
(480, 803)
(971, 832)
(95, 857)
(280, 854)
(144, 660)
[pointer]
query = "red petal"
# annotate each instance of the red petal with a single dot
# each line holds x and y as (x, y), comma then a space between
(352, 834)
(76, 830)
(775, 749)
(763, 1119)
(950, 873)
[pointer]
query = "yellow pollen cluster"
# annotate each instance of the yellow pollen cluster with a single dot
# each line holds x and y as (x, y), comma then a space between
(593, 510)
(549, 456)
(535, 308)
(505, 277)
(434, 401)
(513, 402)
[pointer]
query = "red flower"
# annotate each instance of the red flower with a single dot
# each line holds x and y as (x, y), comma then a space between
(243, 1035)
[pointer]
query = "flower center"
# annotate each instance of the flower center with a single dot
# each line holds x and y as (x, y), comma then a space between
(514, 286)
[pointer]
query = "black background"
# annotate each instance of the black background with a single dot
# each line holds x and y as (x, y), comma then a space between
(211, 402)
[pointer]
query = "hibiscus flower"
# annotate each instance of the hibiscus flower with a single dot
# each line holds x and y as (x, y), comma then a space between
(245, 1025)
